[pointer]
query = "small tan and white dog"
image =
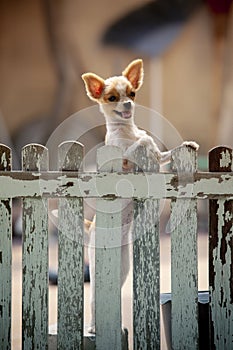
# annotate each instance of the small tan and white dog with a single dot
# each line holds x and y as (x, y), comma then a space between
(115, 97)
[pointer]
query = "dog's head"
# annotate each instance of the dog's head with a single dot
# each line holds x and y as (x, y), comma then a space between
(116, 95)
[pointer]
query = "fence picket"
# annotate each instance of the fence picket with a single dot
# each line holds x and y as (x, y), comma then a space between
(108, 258)
(146, 264)
(5, 257)
(221, 257)
(184, 257)
(35, 256)
(70, 265)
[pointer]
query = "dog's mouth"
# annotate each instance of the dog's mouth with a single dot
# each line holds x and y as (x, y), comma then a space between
(124, 114)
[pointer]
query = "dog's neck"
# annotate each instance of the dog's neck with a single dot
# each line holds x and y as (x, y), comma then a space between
(121, 133)
(116, 125)
(121, 128)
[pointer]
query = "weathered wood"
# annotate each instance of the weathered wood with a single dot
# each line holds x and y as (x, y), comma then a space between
(102, 185)
(70, 256)
(184, 281)
(114, 190)
(35, 257)
(146, 264)
(221, 257)
(108, 259)
(5, 257)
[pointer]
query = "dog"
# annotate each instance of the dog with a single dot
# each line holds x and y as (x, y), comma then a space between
(116, 96)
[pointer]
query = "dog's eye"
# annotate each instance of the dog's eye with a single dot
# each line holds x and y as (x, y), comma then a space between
(112, 98)
(132, 94)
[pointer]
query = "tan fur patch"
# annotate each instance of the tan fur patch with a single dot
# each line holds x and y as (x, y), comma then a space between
(130, 93)
(112, 93)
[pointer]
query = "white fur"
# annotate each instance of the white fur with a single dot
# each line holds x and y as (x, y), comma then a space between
(121, 132)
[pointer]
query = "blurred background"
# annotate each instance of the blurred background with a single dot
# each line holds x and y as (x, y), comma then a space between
(46, 45)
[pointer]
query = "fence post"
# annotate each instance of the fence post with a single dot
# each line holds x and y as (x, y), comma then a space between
(35, 256)
(5, 257)
(184, 276)
(108, 258)
(70, 255)
(146, 263)
(221, 257)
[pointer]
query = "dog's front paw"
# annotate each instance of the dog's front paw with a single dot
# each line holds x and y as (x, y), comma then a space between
(145, 141)
(91, 329)
(192, 144)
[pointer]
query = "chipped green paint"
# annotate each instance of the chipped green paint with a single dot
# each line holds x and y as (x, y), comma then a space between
(70, 259)
(146, 275)
(221, 258)
(96, 185)
(35, 184)
(4, 160)
(5, 258)
(35, 258)
(184, 282)
(222, 291)
(225, 159)
(108, 259)
(146, 266)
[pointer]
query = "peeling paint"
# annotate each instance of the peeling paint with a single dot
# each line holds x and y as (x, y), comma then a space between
(144, 185)
(221, 257)
(4, 160)
(184, 276)
(225, 159)
(184, 185)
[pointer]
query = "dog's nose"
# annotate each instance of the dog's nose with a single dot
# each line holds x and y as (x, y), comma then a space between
(127, 105)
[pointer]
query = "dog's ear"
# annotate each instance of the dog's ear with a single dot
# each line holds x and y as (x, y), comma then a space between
(134, 73)
(94, 85)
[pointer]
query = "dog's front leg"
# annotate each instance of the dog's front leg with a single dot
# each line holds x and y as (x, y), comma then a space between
(150, 146)
(165, 157)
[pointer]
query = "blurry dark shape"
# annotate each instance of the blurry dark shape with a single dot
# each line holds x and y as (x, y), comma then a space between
(66, 69)
(63, 63)
(222, 18)
(151, 28)
(53, 275)
(219, 6)
(220, 11)
(203, 318)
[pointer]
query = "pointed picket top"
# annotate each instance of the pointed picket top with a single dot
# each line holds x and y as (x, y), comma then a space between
(35, 256)
(5, 158)
(70, 260)
(184, 276)
(108, 258)
(184, 159)
(146, 255)
(35, 157)
(70, 156)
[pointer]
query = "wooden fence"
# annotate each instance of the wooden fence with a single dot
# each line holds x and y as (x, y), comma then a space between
(184, 185)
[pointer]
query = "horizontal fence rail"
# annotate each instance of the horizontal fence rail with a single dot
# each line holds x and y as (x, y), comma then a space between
(54, 184)
(111, 187)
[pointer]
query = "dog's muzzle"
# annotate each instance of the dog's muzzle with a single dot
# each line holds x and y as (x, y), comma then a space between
(127, 105)
(126, 114)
